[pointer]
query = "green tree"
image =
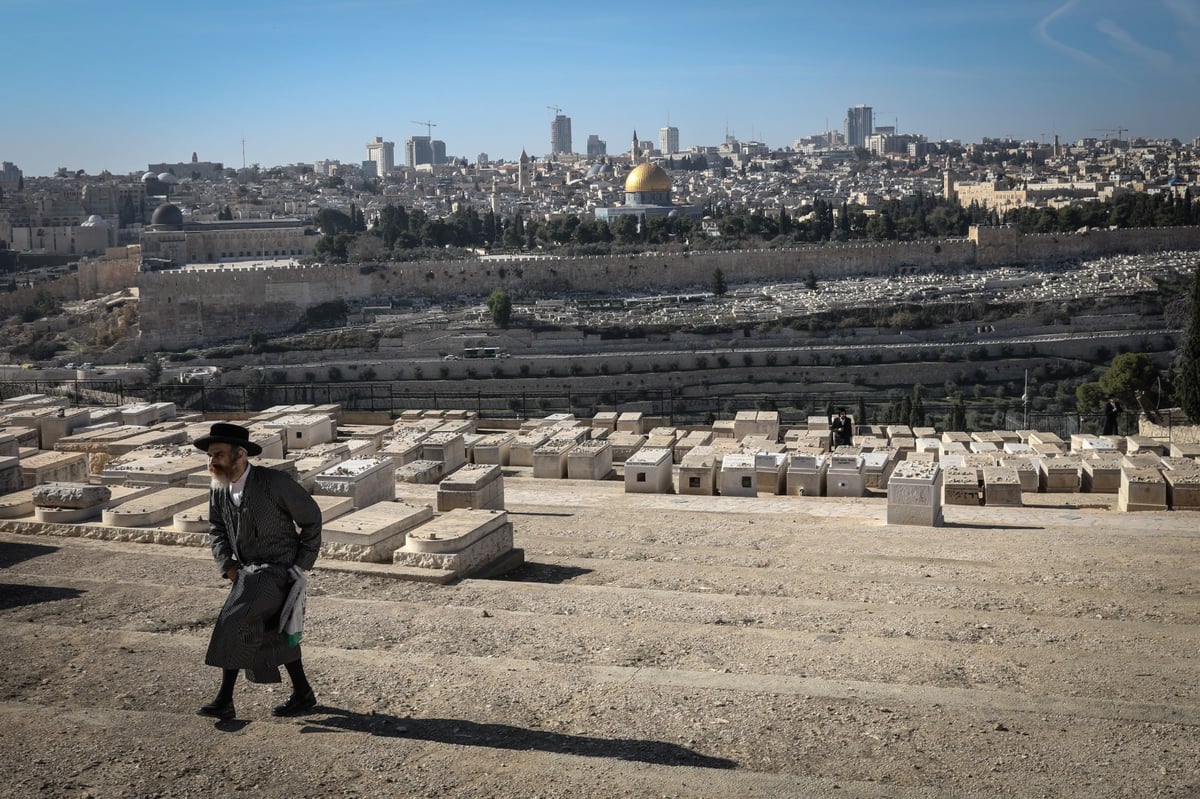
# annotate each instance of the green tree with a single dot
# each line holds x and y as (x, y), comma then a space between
(810, 280)
(719, 286)
(1188, 370)
(1089, 397)
(1131, 375)
(499, 304)
(154, 367)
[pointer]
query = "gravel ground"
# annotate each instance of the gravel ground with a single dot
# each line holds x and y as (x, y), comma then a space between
(650, 646)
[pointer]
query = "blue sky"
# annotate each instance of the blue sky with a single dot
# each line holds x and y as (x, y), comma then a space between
(93, 85)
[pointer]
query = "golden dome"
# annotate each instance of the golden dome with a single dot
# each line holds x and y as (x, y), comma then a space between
(648, 177)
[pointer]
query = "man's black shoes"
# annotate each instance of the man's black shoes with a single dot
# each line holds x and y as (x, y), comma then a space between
(218, 710)
(296, 705)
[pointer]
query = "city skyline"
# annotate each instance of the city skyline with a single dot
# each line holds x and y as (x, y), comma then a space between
(294, 83)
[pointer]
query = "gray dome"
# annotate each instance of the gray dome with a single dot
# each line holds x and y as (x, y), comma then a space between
(167, 217)
(95, 220)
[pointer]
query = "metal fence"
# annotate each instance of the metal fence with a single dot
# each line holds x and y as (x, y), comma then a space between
(392, 398)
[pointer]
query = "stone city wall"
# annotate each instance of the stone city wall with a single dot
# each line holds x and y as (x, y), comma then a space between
(181, 308)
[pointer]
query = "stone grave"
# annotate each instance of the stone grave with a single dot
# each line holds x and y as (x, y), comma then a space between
(420, 472)
(722, 428)
(626, 444)
(846, 476)
(1185, 449)
(314, 460)
(53, 467)
(631, 422)
(1059, 474)
(877, 466)
(698, 471)
(154, 508)
(605, 420)
(191, 520)
(449, 448)
(372, 534)
(523, 447)
(914, 494)
(364, 481)
(738, 476)
(960, 486)
(332, 506)
(590, 460)
(88, 505)
(806, 474)
(303, 430)
(493, 448)
(463, 542)
(1141, 489)
(1001, 486)
(1027, 471)
(648, 471)
(1144, 444)
(550, 459)
(1182, 476)
(1101, 473)
(472, 486)
(771, 471)
(689, 441)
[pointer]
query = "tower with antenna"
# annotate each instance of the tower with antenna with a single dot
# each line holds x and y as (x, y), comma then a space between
(560, 132)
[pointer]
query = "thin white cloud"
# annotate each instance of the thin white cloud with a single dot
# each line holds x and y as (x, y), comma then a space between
(1123, 40)
(1186, 11)
(1042, 29)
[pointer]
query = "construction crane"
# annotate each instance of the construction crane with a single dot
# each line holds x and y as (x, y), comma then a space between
(429, 126)
(555, 109)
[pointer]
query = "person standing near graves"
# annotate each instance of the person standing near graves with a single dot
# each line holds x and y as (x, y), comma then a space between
(264, 531)
(842, 429)
(1112, 412)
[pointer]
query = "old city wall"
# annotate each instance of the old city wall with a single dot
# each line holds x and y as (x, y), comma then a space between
(182, 308)
(996, 246)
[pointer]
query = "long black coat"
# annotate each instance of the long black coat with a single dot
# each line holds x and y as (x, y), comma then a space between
(277, 526)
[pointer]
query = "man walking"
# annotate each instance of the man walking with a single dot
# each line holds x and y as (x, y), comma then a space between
(262, 525)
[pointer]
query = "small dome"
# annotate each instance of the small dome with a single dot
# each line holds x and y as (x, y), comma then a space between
(167, 177)
(149, 176)
(648, 177)
(167, 217)
(95, 220)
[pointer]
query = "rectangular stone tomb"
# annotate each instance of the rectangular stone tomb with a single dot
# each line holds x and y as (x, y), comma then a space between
(449, 448)
(952, 448)
(960, 486)
(50, 514)
(877, 466)
(738, 476)
(364, 480)
(590, 460)
(1059, 474)
(154, 508)
(1017, 448)
(697, 472)
(771, 471)
(373, 534)
(421, 472)
(1141, 489)
(1001, 486)
(402, 450)
(1144, 444)
(550, 459)
(1183, 482)
(472, 486)
(461, 541)
(690, 440)
(914, 492)
(631, 422)
(494, 449)
(54, 467)
(1101, 474)
(648, 471)
(10, 474)
(846, 476)
(167, 469)
(311, 462)
(625, 444)
(722, 428)
(605, 420)
(1185, 449)
(806, 474)
(521, 453)
(304, 430)
(1027, 471)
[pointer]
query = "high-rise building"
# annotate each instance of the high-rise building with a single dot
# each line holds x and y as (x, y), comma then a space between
(596, 147)
(860, 123)
(418, 150)
(383, 153)
(560, 134)
(668, 140)
(438, 148)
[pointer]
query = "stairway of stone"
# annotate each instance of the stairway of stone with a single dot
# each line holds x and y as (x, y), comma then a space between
(650, 645)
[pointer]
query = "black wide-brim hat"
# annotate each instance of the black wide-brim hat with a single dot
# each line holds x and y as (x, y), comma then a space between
(226, 433)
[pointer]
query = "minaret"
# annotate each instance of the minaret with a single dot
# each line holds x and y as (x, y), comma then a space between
(633, 151)
(495, 198)
(523, 171)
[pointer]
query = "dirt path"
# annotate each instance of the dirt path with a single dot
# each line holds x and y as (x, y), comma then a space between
(662, 646)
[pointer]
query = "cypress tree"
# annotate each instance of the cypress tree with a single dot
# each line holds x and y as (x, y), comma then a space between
(1189, 365)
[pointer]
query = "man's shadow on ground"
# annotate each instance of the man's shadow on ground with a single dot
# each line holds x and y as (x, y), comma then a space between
(506, 736)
